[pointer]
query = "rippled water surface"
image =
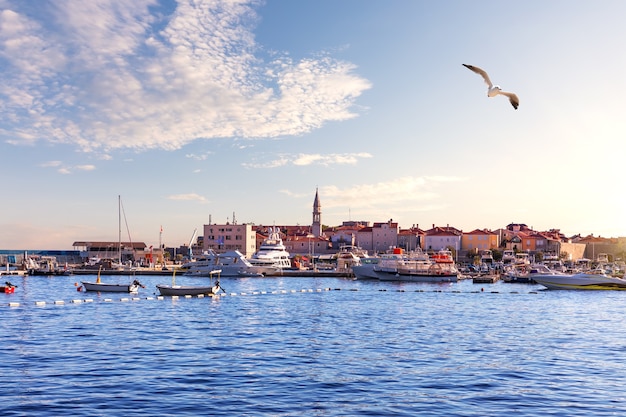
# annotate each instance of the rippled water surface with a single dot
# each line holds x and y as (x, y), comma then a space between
(353, 348)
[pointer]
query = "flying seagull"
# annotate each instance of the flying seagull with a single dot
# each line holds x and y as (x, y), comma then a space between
(494, 90)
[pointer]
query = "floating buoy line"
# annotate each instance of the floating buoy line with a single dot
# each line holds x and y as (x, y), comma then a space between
(234, 294)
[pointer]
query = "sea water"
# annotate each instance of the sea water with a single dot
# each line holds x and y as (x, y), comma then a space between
(312, 347)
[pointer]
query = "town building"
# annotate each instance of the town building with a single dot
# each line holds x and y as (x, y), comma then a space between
(439, 238)
(229, 237)
(135, 252)
(375, 238)
(479, 240)
(411, 239)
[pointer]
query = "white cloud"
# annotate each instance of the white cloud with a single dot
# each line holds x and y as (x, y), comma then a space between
(187, 197)
(63, 169)
(311, 159)
(198, 157)
(51, 164)
(85, 167)
(400, 194)
(109, 74)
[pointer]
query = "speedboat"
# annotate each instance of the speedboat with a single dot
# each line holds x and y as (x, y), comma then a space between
(526, 274)
(595, 280)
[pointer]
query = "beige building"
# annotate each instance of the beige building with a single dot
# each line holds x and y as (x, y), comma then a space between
(226, 237)
(378, 238)
(479, 240)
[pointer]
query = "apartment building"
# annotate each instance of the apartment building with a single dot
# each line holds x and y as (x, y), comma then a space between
(226, 237)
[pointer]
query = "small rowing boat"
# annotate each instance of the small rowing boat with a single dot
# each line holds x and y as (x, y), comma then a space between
(181, 290)
(8, 288)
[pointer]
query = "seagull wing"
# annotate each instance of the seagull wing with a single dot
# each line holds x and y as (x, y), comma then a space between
(512, 98)
(480, 72)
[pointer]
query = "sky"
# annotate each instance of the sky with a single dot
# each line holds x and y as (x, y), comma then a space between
(196, 111)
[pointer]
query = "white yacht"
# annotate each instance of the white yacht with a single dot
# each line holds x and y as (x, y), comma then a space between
(272, 256)
(231, 264)
(349, 256)
(508, 256)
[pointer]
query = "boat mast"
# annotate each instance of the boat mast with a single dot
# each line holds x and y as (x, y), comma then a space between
(119, 226)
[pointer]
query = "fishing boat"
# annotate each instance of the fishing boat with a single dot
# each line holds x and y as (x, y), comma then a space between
(111, 287)
(181, 290)
(8, 288)
(593, 280)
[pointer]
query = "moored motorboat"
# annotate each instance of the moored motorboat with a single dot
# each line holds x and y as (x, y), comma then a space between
(581, 281)
(349, 256)
(45, 265)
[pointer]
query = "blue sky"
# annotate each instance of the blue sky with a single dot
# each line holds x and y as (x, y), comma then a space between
(191, 109)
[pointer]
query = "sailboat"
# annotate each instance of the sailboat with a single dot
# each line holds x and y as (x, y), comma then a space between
(192, 289)
(112, 287)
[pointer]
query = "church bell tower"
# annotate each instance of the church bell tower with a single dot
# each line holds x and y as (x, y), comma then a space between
(316, 226)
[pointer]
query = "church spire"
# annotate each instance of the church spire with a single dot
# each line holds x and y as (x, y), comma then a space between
(316, 226)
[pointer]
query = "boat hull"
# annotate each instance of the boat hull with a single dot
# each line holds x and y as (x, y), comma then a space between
(181, 290)
(371, 271)
(364, 271)
(102, 287)
(581, 282)
(416, 277)
(7, 289)
(226, 271)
